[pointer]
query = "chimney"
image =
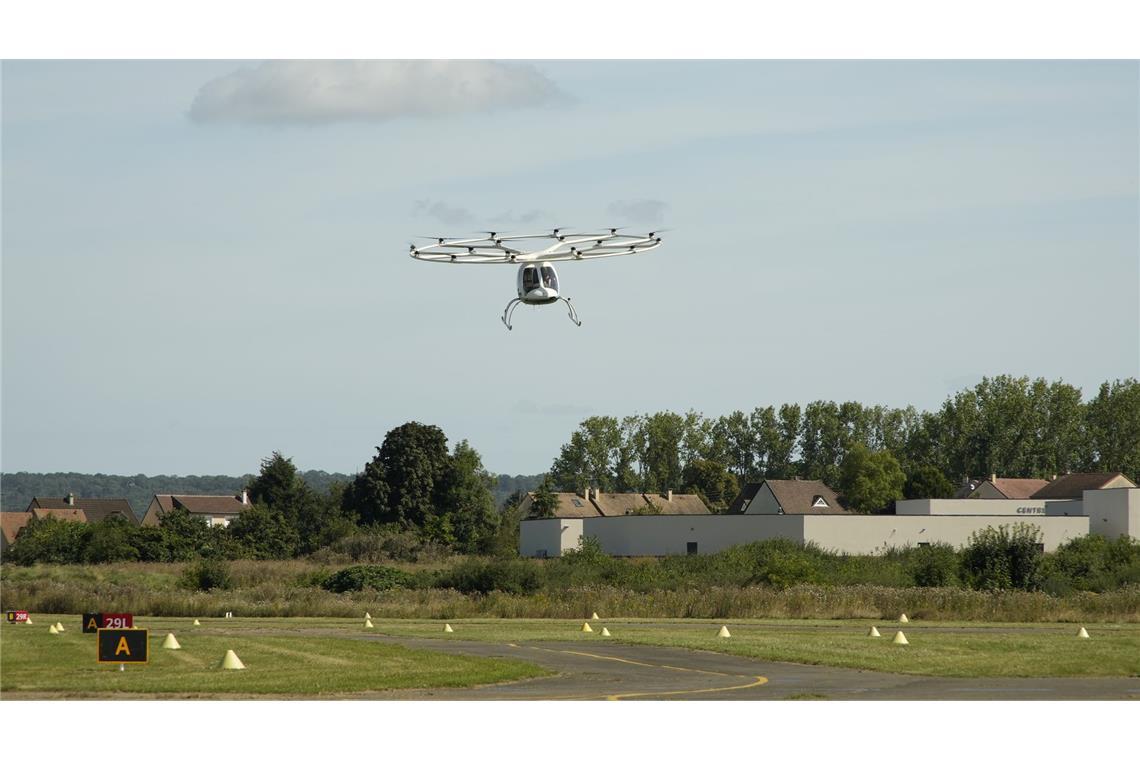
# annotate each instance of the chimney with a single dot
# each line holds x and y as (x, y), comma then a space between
(71, 500)
(965, 480)
(597, 493)
(993, 477)
(669, 495)
(244, 496)
(1053, 476)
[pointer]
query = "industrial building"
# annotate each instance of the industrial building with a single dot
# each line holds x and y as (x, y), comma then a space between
(808, 511)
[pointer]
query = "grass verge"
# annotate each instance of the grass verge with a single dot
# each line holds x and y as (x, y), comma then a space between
(277, 663)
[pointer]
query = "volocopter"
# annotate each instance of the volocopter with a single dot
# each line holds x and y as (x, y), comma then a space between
(536, 281)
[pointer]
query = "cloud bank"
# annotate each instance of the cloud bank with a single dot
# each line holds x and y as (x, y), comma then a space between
(323, 92)
(645, 211)
(442, 212)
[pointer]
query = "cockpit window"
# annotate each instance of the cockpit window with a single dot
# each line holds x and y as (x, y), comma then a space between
(530, 278)
(549, 278)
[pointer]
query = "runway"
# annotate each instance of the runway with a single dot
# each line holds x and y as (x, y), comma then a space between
(592, 670)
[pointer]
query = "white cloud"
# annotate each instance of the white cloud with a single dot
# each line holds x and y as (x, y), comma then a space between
(442, 212)
(321, 92)
(646, 211)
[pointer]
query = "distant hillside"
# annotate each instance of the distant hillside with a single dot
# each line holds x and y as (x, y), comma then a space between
(505, 485)
(18, 488)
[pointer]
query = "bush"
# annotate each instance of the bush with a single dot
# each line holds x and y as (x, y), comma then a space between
(1094, 563)
(515, 576)
(783, 563)
(1000, 558)
(207, 574)
(934, 565)
(360, 577)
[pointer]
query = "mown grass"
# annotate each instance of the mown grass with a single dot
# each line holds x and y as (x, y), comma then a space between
(947, 649)
(34, 661)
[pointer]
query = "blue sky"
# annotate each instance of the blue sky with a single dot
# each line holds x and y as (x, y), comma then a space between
(204, 262)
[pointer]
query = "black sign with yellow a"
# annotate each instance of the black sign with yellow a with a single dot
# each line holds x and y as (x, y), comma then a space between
(119, 645)
(92, 621)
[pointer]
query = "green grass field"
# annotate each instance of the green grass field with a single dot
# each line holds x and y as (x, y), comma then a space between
(278, 662)
(935, 649)
(336, 656)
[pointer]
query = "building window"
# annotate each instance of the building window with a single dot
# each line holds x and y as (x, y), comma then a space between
(819, 501)
(924, 543)
(691, 547)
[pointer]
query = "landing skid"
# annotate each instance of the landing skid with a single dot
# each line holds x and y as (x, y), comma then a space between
(508, 312)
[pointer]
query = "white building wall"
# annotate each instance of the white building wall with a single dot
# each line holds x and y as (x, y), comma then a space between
(873, 534)
(550, 537)
(1012, 507)
(659, 535)
(1113, 512)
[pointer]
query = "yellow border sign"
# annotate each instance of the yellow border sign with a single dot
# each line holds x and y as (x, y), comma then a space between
(123, 645)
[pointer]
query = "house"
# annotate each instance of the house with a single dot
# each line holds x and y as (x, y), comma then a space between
(14, 522)
(1009, 488)
(594, 503)
(787, 497)
(94, 510)
(215, 510)
(1073, 485)
(11, 523)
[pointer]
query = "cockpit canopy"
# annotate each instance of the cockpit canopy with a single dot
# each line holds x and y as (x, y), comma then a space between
(536, 276)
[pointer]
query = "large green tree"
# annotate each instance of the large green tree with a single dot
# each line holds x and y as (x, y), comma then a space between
(1114, 428)
(399, 485)
(591, 458)
(870, 480)
(465, 502)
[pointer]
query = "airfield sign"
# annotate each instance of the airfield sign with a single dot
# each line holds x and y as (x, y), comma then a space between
(93, 621)
(17, 616)
(119, 645)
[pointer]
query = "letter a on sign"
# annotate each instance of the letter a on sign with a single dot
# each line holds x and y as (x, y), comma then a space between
(123, 645)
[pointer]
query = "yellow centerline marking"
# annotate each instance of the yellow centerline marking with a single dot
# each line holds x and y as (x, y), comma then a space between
(757, 680)
(760, 681)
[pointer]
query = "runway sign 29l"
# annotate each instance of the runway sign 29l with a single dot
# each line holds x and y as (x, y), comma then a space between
(93, 621)
(17, 616)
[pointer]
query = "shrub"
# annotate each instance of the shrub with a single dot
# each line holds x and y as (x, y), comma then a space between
(783, 563)
(514, 576)
(1094, 563)
(206, 574)
(934, 565)
(360, 577)
(1000, 558)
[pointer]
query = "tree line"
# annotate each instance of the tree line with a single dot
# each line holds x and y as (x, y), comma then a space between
(1009, 426)
(415, 490)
